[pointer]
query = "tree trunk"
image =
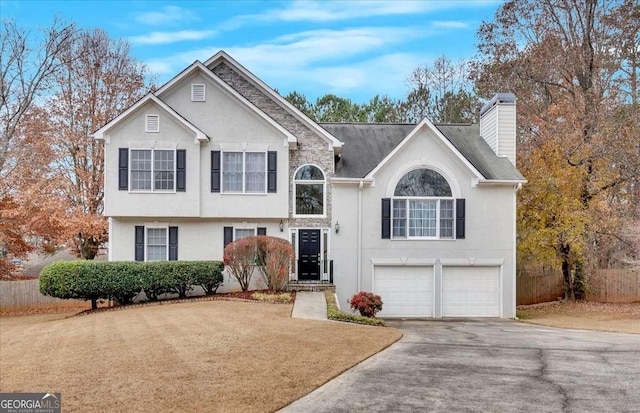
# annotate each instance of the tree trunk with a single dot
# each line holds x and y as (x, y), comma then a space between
(569, 291)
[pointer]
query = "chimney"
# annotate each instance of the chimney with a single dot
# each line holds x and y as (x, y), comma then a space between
(498, 125)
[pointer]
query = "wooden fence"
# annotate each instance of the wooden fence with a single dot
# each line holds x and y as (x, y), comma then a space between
(614, 286)
(15, 295)
(605, 285)
(533, 289)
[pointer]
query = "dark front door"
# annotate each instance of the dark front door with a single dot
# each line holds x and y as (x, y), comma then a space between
(309, 252)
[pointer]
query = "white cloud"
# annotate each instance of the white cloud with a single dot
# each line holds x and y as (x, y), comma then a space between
(167, 16)
(171, 37)
(450, 24)
(329, 11)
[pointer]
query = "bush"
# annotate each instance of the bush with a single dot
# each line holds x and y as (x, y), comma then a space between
(368, 304)
(274, 257)
(122, 281)
(240, 259)
(208, 275)
(333, 313)
(92, 280)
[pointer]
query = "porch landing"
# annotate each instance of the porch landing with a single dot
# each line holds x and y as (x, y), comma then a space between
(310, 286)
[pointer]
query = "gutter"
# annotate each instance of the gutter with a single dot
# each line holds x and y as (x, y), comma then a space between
(359, 237)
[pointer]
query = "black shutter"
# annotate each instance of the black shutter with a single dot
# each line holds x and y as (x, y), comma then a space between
(228, 235)
(139, 252)
(460, 218)
(173, 243)
(386, 218)
(215, 171)
(272, 171)
(181, 170)
(262, 231)
(123, 169)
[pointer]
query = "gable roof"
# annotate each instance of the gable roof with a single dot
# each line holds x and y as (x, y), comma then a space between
(367, 145)
(200, 135)
(222, 56)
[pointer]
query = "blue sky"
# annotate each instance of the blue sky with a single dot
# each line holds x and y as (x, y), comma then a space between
(355, 49)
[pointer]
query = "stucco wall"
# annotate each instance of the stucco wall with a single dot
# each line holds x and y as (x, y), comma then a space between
(489, 225)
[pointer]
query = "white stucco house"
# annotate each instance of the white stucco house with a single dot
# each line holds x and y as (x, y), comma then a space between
(423, 215)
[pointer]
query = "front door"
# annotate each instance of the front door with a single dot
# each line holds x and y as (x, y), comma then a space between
(309, 254)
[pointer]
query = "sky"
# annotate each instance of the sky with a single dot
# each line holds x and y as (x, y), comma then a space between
(354, 49)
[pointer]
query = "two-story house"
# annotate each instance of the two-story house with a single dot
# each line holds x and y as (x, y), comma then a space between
(423, 215)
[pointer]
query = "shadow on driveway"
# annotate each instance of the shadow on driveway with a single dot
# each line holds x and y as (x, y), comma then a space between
(491, 365)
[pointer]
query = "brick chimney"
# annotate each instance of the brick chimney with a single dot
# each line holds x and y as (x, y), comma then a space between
(498, 125)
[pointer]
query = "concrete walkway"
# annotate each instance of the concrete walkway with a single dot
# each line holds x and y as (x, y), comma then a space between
(310, 305)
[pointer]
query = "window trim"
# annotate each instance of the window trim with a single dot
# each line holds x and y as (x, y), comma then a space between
(295, 183)
(236, 228)
(153, 190)
(146, 242)
(438, 237)
(146, 123)
(204, 92)
(244, 171)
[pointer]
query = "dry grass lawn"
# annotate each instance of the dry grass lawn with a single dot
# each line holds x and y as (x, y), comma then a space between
(585, 315)
(214, 356)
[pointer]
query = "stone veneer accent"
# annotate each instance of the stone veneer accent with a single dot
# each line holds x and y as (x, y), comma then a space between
(312, 149)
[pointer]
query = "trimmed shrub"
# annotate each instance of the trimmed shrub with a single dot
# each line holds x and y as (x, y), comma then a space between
(368, 304)
(333, 313)
(208, 275)
(240, 259)
(122, 281)
(92, 280)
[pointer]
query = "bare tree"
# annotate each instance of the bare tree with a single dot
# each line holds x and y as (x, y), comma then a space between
(27, 65)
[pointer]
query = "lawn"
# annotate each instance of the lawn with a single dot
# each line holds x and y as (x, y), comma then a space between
(210, 356)
(615, 317)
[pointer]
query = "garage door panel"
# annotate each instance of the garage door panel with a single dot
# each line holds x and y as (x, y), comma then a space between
(405, 291)
(470, 291)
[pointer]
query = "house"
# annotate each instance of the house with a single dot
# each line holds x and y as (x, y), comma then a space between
(423, 215)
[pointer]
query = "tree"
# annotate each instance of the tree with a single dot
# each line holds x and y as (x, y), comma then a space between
(101, 82)
(240, 259)
(27, 66)
(300, 102)
(274, 257)
(563, 61)
(441, 94)
(332, 108)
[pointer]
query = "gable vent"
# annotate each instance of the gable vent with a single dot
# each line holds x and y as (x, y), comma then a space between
(152, 123)
(197, 92)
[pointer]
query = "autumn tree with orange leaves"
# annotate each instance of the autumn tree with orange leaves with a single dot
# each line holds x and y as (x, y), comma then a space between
(52, 169)
(574, 67)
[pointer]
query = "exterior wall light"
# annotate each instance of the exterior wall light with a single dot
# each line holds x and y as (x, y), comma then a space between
(337, 227)
(281, 226)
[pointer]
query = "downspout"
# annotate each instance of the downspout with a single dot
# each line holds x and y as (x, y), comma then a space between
(516, 188)
(359, 237)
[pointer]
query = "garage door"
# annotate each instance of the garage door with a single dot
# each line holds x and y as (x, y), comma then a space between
(470, 291)
(405, 291)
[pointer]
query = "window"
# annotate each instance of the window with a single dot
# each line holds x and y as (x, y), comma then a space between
(157, 244)
(423, 206)
(198, 92)
(152, 123)
(309, 189)
(244, 172)
(240, 233)
(152, 170)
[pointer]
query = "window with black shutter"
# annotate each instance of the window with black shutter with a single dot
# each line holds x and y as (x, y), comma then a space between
(272, 171)
(181, 170)
(123, 169)
(215, 171)
(139, 243)
(460, 218)
(173, 243)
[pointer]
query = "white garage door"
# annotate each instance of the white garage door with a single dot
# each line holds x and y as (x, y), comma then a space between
(405, 291)
(470, 291)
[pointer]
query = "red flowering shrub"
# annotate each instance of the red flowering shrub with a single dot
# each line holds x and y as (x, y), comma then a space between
(368, 304)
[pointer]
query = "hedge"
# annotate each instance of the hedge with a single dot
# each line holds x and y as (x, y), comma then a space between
(122, 281)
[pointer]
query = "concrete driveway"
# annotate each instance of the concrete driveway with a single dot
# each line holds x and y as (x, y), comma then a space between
(488, 366)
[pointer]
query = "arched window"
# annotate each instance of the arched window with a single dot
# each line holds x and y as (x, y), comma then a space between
(309, 190)
(423, 206)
